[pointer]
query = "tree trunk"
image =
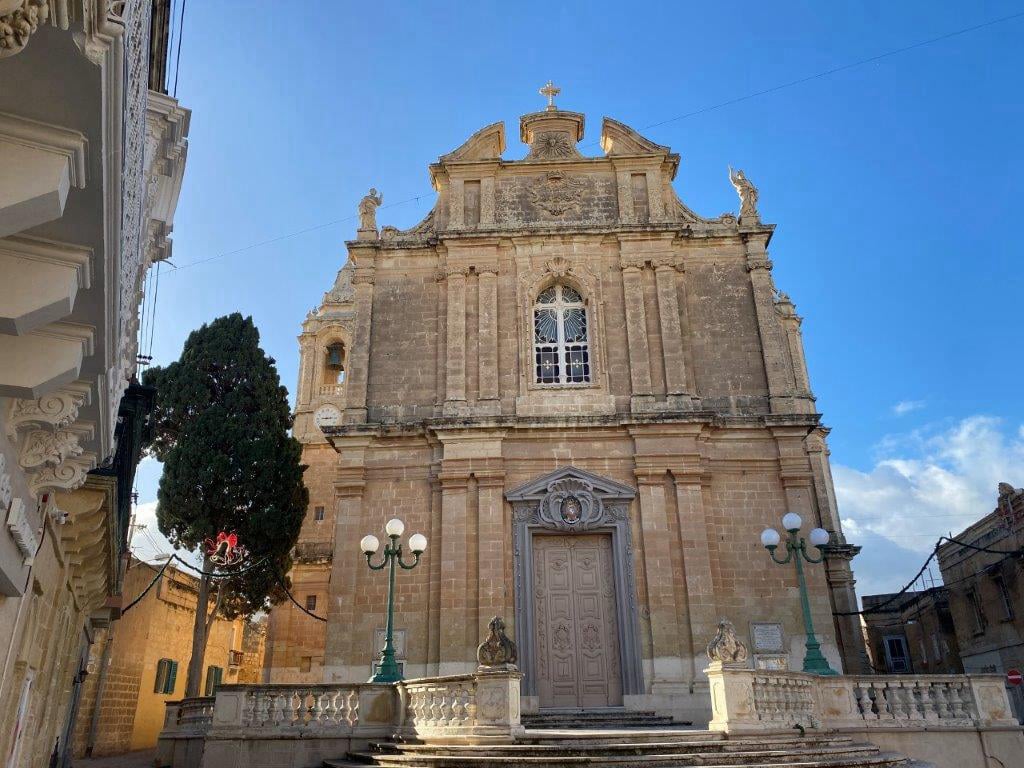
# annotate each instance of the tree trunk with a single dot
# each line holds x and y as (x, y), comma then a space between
(199, 635)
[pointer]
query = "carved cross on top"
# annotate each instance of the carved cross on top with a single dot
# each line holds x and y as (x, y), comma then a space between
(550, 90)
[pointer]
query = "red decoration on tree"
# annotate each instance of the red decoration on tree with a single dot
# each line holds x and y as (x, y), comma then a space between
(224, 550)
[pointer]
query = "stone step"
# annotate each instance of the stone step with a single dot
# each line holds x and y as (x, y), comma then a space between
(632, 746)
(595, 718)
(868, 758)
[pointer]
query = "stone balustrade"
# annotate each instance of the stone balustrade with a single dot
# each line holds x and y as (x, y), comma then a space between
(481, 707)
(745, 701)
(195, 714)
(307, 724)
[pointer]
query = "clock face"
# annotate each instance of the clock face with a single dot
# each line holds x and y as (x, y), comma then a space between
(327, 416)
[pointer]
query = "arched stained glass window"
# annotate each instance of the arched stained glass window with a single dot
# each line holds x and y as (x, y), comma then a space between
(560, 342)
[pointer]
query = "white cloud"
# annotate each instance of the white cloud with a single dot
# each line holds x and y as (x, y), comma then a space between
(903, 407)
(930, 481)
(147, 541)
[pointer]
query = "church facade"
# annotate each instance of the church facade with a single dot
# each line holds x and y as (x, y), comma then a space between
(591, 400)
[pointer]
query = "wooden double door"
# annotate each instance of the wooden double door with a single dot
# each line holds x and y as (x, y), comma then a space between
(576, 621)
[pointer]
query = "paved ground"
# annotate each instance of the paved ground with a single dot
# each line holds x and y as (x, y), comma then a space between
(143, 759)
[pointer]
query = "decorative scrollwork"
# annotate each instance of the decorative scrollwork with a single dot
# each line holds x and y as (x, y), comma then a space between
(18, 26)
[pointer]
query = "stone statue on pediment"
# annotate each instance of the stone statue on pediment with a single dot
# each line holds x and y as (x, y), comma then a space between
(748, 195)
(368, 210)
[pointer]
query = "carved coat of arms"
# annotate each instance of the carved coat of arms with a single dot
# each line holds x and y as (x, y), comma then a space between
(557, 194)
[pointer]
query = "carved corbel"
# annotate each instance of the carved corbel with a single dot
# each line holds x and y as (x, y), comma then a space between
(632, 262)
(58, 409)
(759, 262)
(67, 475)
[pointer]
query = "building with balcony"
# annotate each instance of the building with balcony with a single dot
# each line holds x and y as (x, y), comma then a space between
(92, 156)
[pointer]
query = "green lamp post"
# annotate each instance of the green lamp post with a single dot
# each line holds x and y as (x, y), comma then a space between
(387, 670)
(796, 551)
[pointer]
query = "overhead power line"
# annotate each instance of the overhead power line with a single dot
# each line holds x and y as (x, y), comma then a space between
(694, 113)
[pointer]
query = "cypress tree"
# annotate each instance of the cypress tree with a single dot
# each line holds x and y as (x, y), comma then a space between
(221, 430)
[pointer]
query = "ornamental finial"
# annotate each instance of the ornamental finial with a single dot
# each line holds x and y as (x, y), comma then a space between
(550, 90)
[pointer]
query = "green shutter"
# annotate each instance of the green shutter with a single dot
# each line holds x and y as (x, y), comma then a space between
(172, 677)
(161, 676)
(213, 678)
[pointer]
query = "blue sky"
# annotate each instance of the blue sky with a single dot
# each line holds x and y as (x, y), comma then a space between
(891, 183)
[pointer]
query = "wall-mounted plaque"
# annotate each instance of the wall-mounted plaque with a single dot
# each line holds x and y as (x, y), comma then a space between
(398, 639)
(771, 662)
(767, 638)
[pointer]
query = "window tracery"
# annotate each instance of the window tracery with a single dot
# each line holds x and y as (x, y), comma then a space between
(560, 337)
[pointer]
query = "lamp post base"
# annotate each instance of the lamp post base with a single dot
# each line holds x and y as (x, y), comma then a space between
(814, 662)
(387, 670)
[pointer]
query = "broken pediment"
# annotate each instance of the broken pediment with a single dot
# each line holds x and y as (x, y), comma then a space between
(619, 139)
(486, 144)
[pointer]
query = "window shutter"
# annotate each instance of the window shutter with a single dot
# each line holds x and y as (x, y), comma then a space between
(172, 676)
(217, 677)
(161, 676)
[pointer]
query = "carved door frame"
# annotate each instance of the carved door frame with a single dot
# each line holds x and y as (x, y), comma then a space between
(603, 507)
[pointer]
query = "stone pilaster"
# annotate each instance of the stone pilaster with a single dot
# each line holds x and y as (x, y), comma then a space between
(487, 201)
(636, 334)
(359, 356)
(434, 567)
(342, 657)
(791, 323)
(671, 329)
(492, 555)
(456, 204)
(307, 347)
(487, 315)
(624, 192)
(455, 368)
(839, 554)
(773, 342)
(841, 583)
(655, 203)
(657, 564)
(455, 657)
(700, 588)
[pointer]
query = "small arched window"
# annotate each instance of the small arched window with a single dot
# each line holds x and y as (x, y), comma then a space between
(334, 370)
(561, 351)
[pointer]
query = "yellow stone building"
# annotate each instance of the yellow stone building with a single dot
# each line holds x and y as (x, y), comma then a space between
(591, 400)
(140, 663)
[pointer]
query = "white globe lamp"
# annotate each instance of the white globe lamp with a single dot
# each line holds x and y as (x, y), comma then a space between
(770, 538)
(395, 527)
(418, 543)
(791, 521)
(369, 544)
(819, 537)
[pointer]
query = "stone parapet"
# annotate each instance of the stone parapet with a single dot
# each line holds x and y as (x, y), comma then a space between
(311, 723)
(751, 701)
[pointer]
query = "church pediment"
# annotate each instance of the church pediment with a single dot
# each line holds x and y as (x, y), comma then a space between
(544, 486)
(486, 144)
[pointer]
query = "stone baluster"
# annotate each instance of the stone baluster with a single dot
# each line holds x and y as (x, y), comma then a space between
(352, 708)
(881, 701)
(935, 708)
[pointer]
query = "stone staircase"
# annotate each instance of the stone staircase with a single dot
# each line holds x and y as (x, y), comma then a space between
(596, 718)
(631, 748)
